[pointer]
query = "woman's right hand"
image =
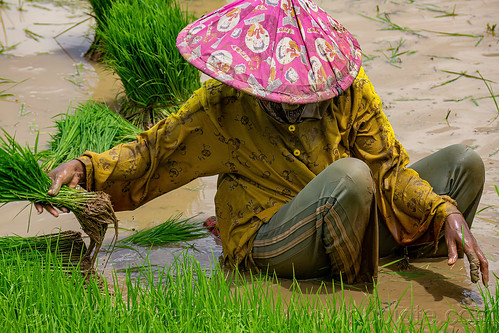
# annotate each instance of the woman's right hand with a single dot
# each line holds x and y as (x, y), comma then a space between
(69, 173)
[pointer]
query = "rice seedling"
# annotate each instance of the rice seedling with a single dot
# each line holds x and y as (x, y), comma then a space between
(457, 34)
(394, 57)
(486, 317)
(186, 297)
(442, 57)
(433, 8)
(32, 35)
(171, 231)
(76, 78)
(68, 246)
(92, 126)
(412, 99)
(491, 29)
(366, 57)
(100, 8)
(489, 88)
(23, 179)
(140, 39)
(386, 20)
(458, 76)
(3, 93)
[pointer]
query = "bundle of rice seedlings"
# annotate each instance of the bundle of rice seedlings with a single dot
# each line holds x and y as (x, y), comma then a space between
(140, 39)
(67, 246)
(92, 126)
(171, 231)
(22, 178)
(99, 9)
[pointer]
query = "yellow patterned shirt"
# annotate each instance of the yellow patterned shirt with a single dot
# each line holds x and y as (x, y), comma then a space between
(262, 164)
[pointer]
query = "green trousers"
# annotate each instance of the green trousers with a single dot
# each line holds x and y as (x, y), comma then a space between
(331, 227)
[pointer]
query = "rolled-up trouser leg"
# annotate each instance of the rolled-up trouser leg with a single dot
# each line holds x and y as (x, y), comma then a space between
(330, 227)
(456, 171)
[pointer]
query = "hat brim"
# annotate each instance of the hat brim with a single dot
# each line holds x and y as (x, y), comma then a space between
(286, 51)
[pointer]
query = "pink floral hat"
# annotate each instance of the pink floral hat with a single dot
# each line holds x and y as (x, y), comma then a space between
(286, 51)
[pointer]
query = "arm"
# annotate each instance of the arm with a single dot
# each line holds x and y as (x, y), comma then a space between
(413, 213)
(177, 150)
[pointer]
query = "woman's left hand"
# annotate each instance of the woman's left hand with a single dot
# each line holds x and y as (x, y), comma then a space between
(457, 236)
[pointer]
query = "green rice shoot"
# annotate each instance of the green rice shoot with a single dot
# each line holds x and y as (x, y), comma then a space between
(100, 8)
(67, 246)
(187, 297)
(92, 126)
(173, 230)
(23, 179)
(140, 40)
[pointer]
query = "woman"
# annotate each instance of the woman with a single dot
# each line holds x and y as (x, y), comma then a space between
(307, 161)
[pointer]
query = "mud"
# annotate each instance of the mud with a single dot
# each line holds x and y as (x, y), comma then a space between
(409, 70)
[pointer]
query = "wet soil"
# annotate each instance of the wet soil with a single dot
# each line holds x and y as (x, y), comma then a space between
(410, 68)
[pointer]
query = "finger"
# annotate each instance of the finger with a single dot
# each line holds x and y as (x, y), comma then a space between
(56, 186)
(474, 266)
(52, 211)
(451, 253)
(74, 182)
(64, 209)
(39, 208)
(484, 267)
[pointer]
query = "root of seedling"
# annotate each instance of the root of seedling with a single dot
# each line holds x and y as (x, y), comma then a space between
(94, 220)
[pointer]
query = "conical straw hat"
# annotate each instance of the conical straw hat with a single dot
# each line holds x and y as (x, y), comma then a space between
(286, 51)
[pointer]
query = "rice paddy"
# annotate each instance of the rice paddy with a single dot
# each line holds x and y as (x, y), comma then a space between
(36, 297)
(186, 297)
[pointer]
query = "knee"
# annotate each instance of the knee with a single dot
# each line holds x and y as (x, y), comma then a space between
(356, 179)
(469, 162)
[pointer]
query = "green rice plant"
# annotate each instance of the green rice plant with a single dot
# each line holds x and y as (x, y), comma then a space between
(3, 93)
(390, 25)
(32, 35)
(187, 297)
(457, 34)
(4, 48)
(68, 246)
(23, 179)
(92, 126)
(484, 317)
(140, 47)
(490, 30)
(100, 8)
(432, 8)
(394, 57)
(460, 75)
(171, 231)
(489, 88)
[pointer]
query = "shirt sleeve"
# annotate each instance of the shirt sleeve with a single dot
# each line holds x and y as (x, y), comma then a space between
(175, 151)
(414, 214)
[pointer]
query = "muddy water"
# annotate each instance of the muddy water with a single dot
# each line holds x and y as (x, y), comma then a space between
(425, 114)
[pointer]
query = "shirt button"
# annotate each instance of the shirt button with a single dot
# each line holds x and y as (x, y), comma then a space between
(296, 152)
(291, 128)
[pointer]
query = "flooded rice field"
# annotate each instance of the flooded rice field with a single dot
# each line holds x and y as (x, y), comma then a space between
(425, 59)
